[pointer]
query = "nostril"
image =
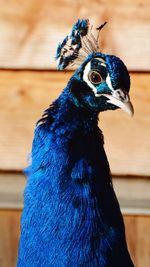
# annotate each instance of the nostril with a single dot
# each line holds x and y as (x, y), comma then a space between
(118, 92)
(121, 95)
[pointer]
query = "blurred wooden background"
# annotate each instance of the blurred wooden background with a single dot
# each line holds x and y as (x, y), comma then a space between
(29, 33)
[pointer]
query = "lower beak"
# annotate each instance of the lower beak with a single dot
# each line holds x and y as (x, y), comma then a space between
(121, 99)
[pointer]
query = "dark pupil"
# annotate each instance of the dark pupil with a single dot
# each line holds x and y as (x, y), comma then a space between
(95, 77)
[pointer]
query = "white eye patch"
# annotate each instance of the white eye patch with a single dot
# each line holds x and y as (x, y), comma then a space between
(108, 81)
(86, 79)
(86, 75)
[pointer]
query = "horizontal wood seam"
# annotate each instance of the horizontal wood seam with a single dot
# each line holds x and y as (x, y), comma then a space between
(62, 71)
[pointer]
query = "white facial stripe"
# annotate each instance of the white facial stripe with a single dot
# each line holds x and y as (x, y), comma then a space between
(103, 64)
(108, 81)
(85, 77)
(100, 59)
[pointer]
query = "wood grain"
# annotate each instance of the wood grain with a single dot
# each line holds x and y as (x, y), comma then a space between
(9, 233)
(11, 190)
(137, 232)
(23, 97)
(138, 239)
(30, 30)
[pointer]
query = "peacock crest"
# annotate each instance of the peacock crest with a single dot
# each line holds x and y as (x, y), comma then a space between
(78, 45)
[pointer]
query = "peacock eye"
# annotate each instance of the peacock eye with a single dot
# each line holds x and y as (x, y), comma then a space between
(94, 77)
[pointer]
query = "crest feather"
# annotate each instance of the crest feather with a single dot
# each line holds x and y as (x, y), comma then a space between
(78, 45)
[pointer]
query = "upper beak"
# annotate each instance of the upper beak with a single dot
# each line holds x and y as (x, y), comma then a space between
(121, 99)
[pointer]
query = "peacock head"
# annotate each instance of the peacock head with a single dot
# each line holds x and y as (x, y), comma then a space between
(102, 81)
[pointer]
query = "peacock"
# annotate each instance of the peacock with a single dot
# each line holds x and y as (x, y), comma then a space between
(71, 216)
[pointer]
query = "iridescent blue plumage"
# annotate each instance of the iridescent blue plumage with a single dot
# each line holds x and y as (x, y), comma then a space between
(71, 216)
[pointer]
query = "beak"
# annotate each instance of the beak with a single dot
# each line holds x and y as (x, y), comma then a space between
(121, 99)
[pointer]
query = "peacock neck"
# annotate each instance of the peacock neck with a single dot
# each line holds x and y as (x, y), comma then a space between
(65, 117)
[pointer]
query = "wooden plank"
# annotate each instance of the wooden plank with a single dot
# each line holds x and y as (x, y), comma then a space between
(138, 239)
(30, 30)
(23, 97)
(9, 233)
(133, 194)
(137, 232)
(11, 190)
